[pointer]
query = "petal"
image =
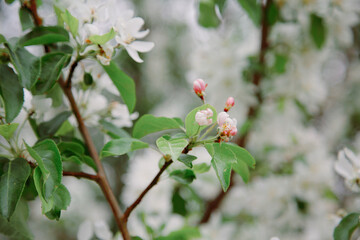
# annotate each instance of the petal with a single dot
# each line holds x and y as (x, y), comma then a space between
(142, 46)
(133, 25)
(141, 34)
(133, 54)
(85, 231)
(344, 168)
(352, 157)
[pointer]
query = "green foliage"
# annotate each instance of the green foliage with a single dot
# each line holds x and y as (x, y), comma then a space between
(88, 79)
(51, 66)
(102, 39)
(61, 199)
(122, 146)
(201, 168)
(253, 9)
(207, 14)
(27, 65)
(9, 1)
(25, 19)
(178, 203)
(192, 127)
(11, 93)
(7, 130)
(226, 157)
(149, 124)
(12, 183)
(45, 35)
(74, 151)
(50, 127)
(317, 30)
(184, 176)
(17, 228)
(47, 156)
(347, 226)
(59, 12)
(171, 147)
(187, 159)
(280, 63)
(186, 233)
(123, 83)
(272, 14)
(114, 131)
(71, 22)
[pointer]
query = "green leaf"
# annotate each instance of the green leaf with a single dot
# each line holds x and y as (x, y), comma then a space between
(12, 183)
(272, 14)
(27, 65)
(280, 63)
(178, 203)
(102, 39)
(90, 162)
(72, 147)
(2, 39)
(201, 168)
(171, 147)
(46, 205)
(347, 226)
(71, 22)
(17, 228)
(241, 154)
(185, 176)
(253, 9)
(11, 92)
(192, 127)
(88, 79)
(122, 146)
(9, 1)
(7, 130)
(45, 35)
(59, 12)
(25, 19)
(50, 127)
(187, 159)
(149, 124)
(241, 169)
(186, 233)
(51, 67)
(222, 161)
(47, 156)
(317, 30)
(123, 83)
(114, 131)
(62, 200)
(207, 14)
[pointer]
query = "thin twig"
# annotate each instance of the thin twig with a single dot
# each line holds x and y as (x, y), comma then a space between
(81, 175)
(141, 196)
(71, 73)
(215, 203)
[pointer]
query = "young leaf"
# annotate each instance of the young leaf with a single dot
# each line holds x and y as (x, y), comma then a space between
(187, 159)
(149, 124)
(123, 83)
(47, 156)
(59, 12)
(11, 93)
(72, 22)
(207, 14)
(45, 35)
(347, 226)
(72, 147)
(27, 65)
(317, 30)
(201, 168)
(17, 228)
(62, 200)
(192, 127)
(51, 66)
(12, 183)
(50, 127)
(222, 161)
(46, 205)
(122, 146)
(178, 203)
(241, 154)
(7, 130)
(102, 39)
(253, 9)
(185, 176)
(171, 147)
(113, 131)
(25, 18)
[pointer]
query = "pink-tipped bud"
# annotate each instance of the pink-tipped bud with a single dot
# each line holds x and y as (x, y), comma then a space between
(230, 102)
(199, 88)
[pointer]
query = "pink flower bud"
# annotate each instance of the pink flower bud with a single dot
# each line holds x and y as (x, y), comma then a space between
(227, 127)
(203, 117)
(199, 88)
(222, 117)
(229, 104)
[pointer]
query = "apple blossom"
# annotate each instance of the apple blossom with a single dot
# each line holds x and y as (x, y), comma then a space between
(348, 166)
(203, 117)
(227, 126)
(199, 88)
(229, 104)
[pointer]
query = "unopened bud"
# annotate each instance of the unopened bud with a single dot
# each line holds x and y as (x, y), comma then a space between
(199, 88)
(229, 104)
(203, 117)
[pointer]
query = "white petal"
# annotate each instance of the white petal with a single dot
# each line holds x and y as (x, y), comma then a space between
(133, 54)
(141, 34)
(352, 157)
(127, 15)
(102, 230)
(142, 46)
(120, 40)
(85, 231)
(134, 25)
(344, 168)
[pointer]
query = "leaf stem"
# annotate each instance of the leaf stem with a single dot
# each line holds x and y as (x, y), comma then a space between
(82, 175)
(207, 131)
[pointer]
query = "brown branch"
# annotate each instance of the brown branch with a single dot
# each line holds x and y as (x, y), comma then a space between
(31, 6)
(141, 196)
(71, 73)
(215, 203)
(81, 175)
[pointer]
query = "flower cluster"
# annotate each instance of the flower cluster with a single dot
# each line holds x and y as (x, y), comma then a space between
(227, 126)
(348, 166)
